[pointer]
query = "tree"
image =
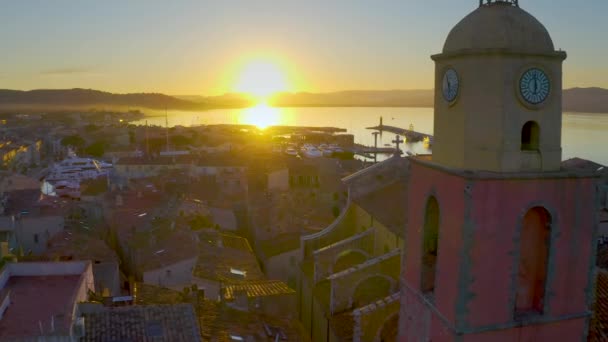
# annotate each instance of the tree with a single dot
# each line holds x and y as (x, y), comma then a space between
(91, 128)
(180, 140)
(200, 222)
(73, 140)
(96, 149)
(131, 137)
(156, 144)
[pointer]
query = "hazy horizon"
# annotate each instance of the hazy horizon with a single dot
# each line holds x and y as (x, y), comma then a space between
(213, 48)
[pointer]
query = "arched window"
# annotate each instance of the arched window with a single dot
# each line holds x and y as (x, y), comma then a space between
(533, 260)
(429, 246)
(530, 136)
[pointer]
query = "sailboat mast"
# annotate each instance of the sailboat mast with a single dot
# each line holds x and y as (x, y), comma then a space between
(167, 128)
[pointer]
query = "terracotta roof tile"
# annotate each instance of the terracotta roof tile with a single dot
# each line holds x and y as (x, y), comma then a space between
(143, 323)
(259, 288)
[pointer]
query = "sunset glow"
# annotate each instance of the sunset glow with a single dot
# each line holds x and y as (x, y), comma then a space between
(261, 79)
(261, 116)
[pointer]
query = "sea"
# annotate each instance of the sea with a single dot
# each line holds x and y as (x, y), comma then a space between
(584, 135)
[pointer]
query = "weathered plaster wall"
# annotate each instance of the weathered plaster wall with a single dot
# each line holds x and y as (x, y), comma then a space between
(177, 275)
(344, 284)
(283, 267)
(497, 212)
(325, 258)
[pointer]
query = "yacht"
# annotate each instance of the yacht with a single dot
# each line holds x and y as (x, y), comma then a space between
(291, 151)
(76, 169)
(310, 151)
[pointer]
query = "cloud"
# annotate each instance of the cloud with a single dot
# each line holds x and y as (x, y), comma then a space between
(68, 71)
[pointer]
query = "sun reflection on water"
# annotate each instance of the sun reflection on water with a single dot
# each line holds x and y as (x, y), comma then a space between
(261, 116)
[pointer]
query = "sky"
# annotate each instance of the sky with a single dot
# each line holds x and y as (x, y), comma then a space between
(199, 47)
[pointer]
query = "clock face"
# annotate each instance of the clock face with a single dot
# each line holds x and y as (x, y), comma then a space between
(450, 85)
(534, 86)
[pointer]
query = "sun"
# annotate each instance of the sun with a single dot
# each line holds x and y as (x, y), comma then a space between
(261, 79)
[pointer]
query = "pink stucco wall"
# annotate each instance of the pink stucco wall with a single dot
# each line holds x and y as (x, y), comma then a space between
(498, 209)
(448, 190)
(480, 221)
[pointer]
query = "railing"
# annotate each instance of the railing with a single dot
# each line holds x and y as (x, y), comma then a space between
(5, 301)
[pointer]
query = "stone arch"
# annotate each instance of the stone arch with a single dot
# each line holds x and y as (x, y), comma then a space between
(349, 258)
(530, 136)
(382, 285)
(533, 261)
(389, 329)
(430, 245)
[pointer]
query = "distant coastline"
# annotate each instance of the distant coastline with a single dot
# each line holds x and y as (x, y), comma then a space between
(581, 100)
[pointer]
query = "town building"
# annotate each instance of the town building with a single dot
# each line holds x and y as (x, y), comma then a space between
(348, 287)
(40, 299)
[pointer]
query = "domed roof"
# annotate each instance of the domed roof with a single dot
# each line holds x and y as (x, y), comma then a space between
(499, 25)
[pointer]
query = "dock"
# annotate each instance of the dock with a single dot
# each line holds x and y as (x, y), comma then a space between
(369, 152)
(410, 135)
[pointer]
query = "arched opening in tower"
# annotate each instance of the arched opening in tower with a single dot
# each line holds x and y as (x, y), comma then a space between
(371, 290)
(390, 329)
(430, 246)
(530, 136)
(348, 259)
(533, 261)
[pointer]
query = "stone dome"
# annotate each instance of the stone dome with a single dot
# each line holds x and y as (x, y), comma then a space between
(499, 25)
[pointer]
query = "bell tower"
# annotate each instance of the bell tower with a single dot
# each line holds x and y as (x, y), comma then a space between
(498, 93)
(499, 239)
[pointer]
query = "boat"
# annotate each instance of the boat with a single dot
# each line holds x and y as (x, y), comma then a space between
(328, 152)
(291, 151)
(310, 151)
(76, 169)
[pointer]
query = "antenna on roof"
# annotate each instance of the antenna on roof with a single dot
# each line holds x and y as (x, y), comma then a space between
(167, 127)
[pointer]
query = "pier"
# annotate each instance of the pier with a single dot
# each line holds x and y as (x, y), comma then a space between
(409, 134)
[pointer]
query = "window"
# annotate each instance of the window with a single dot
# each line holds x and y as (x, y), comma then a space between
(430, 246)
(530, 136)
(533, 260)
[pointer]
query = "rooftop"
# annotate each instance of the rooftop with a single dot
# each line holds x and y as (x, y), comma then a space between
(499, 25)
(38, 299)
(220, 321)
(259, 288)
(163, 247)
(226, 259)
(143, 323)
(79, 246)
(571, 168)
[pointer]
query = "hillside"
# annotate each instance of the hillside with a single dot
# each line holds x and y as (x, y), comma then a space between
(88, 97)
(590, 100)
(586, 100)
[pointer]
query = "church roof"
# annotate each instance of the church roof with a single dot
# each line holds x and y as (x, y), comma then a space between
(381, 190)
(499, 26)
